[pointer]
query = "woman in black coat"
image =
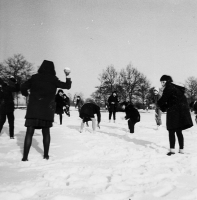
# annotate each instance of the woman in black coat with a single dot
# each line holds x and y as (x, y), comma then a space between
(132, 115)
(59, 104)
(41, 89)
(178, 117)
(112, 105)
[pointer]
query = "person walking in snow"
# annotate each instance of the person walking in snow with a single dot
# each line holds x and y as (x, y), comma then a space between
(178, 117)
(112, 105)
(88, 110)
(155, 99)
(41, 89)
(7, 103)
(59, 104)
(132, 115)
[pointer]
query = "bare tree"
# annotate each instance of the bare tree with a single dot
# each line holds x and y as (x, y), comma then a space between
(191, 88)
(108, 78)
(130, 81)
(17, 67)
(143, 90)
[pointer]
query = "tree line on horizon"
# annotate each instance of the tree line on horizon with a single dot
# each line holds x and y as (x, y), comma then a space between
(130, 84)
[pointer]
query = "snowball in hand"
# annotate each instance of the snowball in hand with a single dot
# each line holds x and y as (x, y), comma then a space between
(67, 70)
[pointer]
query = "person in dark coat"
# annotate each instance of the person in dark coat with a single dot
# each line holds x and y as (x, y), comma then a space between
(193, 107)
(178, 117)
(59, 104)
(132, 115)
(7, 103)
(41, 106)
(88, 110)
(66, 104)
(112, 105)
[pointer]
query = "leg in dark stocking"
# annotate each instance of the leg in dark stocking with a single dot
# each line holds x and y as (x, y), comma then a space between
(180, 140)
(27, 143)
(2, 120)
(60, 118)
(11, 124)
(46, 142)
(110, 114)
(172, 141)
(131, 126)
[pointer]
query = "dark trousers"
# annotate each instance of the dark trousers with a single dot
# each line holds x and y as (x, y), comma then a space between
(114, 114)
(10, 117)
(172, 138)
(131, 125)
(28, 141)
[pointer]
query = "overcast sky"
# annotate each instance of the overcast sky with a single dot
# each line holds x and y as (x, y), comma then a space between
(157, 36)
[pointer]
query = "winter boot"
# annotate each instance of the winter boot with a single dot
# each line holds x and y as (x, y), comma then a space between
(172, 152)
(181, 151)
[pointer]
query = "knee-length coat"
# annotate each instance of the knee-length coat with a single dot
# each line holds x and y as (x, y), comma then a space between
(174, 102)
(42, 88)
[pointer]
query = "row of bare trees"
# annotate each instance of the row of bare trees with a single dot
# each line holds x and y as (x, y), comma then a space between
(130, 84)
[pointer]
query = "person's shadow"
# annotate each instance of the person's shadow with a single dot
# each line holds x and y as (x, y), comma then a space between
(20, 137)
(5, 130)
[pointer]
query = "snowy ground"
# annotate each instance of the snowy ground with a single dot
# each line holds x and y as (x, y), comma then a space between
(111, 164)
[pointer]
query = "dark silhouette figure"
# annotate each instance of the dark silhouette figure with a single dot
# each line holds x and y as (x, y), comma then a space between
(7, 103)
(178, 117)
(41, 105)
(132, 115)
(112, 105)
(66, 104)
(59, 104)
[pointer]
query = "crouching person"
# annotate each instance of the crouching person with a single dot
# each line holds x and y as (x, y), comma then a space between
(87, 112)
(132, 115)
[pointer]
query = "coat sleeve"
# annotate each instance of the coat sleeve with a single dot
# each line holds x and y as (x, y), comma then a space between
(25, 87)
(163, 101)
(64, 85)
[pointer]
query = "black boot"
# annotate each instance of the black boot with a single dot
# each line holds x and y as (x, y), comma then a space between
(170, 153)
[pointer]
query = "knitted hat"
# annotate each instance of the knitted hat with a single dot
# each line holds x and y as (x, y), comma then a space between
(166, 78)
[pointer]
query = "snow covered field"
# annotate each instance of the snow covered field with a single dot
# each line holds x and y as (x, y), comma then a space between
(111, 164)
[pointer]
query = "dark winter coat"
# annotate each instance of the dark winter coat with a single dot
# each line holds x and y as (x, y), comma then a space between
(43, 86)
(112, 103)
(175, 103)
(6, 96)
(132, 114)
(89, 109)
(59, 104)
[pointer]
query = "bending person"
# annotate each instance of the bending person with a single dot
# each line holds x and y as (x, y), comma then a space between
(88, 110)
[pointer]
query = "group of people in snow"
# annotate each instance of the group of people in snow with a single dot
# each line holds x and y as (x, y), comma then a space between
(43, 103)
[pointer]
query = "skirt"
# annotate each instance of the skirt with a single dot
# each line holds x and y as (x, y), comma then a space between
(38, 123)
